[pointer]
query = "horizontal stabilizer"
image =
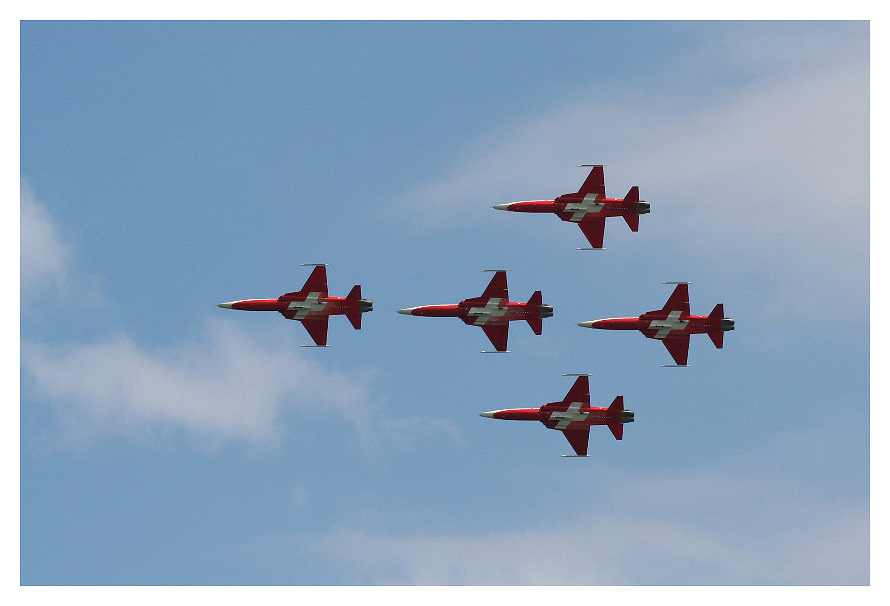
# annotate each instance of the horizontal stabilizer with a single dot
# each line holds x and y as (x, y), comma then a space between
(535, 302)
(633, 195)
(356, 319)
(617, 430)
(717, 336)
(355, 293)
(633, 220)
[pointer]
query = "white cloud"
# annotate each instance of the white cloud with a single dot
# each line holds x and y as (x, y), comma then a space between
(810, 545)
(45, 258)
(226, 384)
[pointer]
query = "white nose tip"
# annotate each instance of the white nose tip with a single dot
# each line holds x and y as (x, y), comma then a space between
(501, 206)
(407, 311)
(490, 415)
(226, 305)
(588, 324)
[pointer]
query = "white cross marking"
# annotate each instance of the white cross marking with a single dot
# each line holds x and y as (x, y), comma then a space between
(664, 327)
(303, 308)
(491, 310)
(572, 414)
(580, 209)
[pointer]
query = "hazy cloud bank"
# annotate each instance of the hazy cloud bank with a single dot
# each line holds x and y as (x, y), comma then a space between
(811, 544)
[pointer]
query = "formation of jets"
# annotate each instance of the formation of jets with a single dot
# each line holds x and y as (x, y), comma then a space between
(493, 311)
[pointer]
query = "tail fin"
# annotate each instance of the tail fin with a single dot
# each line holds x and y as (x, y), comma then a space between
(631, 217)
(355, 317)
(535, 302)
(615, 410)
(717, 335)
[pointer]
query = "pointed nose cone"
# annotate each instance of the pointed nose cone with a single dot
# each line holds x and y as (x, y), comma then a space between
(407, 311)
(490, 415)
(588, 324)
(501, 207)
(227, 305)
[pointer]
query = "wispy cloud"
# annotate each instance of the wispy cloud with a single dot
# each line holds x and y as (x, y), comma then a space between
(224, 384)
(810, 544)
(772, 171)
(45, 258)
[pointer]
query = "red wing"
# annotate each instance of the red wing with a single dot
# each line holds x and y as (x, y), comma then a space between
(595, 183)
(678, 347)
(497, 334)
(317, 329)
(578, 438)
(679, 300)
(593, 230)
(317, 282)
(580, 392)
(497, 288)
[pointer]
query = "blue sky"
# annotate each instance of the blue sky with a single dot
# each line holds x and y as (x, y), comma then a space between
(168, 166)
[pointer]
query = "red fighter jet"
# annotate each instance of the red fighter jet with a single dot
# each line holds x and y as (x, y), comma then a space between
(492, 311)
(589, 207)
(312, 306)
(673, 324)
(573, 416)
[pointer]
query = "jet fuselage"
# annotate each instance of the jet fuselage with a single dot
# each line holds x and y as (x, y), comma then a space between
(659, 322)
(484, 311)
(582, 417)
(577, 207)
(318, 306)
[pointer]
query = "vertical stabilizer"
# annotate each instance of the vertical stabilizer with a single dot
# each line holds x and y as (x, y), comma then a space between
(632, 220)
